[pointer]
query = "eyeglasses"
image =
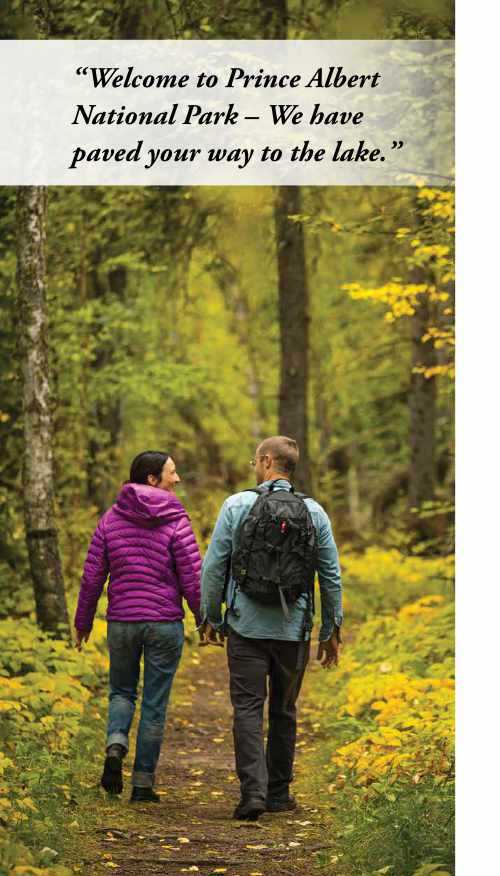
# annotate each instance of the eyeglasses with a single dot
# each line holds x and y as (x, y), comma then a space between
(253, 462)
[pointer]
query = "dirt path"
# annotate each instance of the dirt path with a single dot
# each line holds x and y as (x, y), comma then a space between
(191, 830)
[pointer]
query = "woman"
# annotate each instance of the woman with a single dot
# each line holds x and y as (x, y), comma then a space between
(146, 545)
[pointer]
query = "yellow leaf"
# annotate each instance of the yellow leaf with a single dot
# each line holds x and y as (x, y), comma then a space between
(29, 870)
(27, 803)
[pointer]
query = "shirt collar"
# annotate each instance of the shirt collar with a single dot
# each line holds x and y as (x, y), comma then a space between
(281, 481)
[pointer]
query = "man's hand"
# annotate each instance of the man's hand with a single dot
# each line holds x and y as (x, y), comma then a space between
(210, 636)
(329, 651)
(80, 638)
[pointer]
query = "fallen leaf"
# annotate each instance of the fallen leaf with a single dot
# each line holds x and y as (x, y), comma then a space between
(182, 839)
(253, 825)
(256, 848)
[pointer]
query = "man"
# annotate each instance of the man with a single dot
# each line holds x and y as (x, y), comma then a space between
(269, 640)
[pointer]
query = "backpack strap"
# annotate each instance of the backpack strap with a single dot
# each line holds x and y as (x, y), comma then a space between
(268, 488)
(261, 489)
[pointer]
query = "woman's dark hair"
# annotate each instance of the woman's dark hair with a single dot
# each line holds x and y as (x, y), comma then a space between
(150, 462)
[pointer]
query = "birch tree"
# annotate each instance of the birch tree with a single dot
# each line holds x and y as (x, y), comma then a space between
(38, 477)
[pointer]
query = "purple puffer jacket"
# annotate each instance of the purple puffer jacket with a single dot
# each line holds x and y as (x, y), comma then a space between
(146, 544)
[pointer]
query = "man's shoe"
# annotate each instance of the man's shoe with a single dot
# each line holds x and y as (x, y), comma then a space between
(144, 795)
(286, 805)
(111, 779)
(249, 810)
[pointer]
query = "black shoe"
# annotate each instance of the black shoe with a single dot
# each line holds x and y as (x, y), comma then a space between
(111, 779)
(144, 795)
(286, 805)
(249, 810)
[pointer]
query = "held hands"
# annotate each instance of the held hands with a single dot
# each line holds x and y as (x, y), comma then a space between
(329, 651)
(210, 636)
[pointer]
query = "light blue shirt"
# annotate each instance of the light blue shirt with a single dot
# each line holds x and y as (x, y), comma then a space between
(248, 617)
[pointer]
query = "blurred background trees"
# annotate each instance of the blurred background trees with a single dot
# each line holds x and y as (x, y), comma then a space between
(165, 329)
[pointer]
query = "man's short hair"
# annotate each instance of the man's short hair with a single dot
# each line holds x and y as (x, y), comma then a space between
(283, 450)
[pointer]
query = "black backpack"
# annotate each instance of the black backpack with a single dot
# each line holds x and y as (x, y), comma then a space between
(274, 561)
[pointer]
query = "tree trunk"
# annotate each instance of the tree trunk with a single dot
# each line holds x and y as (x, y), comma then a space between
(38, 478)
(294, 326)
(422, 404)
(353, 494)
(272, 18)
(292, 288)
(103, 462)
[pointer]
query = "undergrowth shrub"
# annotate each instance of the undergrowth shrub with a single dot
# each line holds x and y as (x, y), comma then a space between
(382, 580)
(45, 685)
(386, 721)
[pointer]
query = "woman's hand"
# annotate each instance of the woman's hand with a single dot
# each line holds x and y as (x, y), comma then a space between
(80, 637)
(210, 636)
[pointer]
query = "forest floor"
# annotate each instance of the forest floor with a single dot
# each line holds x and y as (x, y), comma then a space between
(191, 830)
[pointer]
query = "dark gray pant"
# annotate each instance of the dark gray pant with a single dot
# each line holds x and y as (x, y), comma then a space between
(251, 662)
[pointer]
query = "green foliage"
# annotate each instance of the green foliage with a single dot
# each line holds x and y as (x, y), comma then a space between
(164, 332)
(242, 19)
(45, 686)
(386, 727)
(381, 580)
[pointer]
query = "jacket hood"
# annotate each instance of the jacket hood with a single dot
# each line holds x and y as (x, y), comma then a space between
(148, 506)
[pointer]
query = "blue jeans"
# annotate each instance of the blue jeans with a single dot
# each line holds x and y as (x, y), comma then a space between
(162, 644)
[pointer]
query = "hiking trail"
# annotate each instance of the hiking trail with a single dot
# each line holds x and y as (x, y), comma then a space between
(191, 830)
